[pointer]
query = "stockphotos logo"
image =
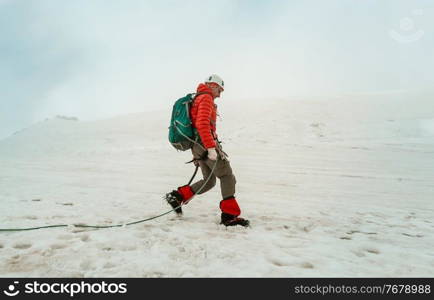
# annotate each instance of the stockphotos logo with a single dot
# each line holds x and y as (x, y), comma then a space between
(12, 291)
(70, 289)
(408, 32)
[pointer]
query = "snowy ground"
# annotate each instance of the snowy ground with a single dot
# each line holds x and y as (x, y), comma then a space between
(333, 188)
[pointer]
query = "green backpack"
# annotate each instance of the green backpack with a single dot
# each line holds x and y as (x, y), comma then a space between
(182, 135)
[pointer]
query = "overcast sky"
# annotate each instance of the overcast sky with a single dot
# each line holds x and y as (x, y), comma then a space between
(94, 59)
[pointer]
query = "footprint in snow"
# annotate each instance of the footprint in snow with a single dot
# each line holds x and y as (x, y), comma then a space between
(362, 252)
(306, 227)
(307, 265)
(109, 265)
(413, 235)
(22, 246)
(66, 204)
(372, 250)
(357, 231)
(84, 238)
(58, 246)
(278, 262)
(359, 253)
(410, 216)
(65, 237)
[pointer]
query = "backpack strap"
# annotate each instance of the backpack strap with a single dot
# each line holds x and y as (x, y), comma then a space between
(193, 97)
(200, 93)
(196, 134)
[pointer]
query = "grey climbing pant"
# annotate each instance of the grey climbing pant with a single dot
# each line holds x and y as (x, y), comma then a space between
(222, 171)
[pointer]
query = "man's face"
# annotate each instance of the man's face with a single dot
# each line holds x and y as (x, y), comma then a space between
(216, 89)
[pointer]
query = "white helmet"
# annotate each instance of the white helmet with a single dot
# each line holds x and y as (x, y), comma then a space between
(216, 79)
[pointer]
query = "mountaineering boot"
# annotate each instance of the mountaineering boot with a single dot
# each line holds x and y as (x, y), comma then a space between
(230, 220)
(175, 200)
(180, 196)
(230, 212)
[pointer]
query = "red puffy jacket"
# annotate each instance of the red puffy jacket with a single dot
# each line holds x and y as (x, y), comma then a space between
(203, 115)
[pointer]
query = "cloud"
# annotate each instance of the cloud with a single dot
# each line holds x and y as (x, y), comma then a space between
(94, 59)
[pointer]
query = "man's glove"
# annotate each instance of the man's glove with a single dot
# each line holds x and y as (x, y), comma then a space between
(212, 154)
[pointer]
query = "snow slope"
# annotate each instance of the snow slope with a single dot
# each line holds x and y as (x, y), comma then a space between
(333, 188)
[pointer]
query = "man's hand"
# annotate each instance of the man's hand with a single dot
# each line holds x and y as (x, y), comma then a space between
(212, 154)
